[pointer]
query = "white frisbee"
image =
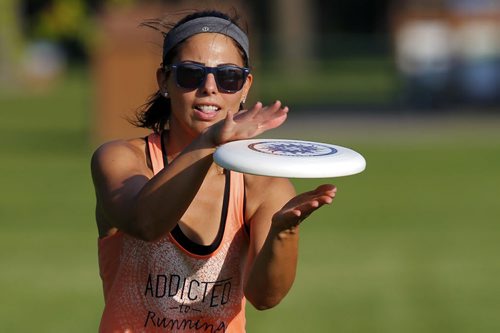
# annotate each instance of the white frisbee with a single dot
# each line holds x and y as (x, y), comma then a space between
(289, 158)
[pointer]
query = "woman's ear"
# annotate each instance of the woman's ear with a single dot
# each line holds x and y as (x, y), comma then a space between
(247, 86)
(161, 78)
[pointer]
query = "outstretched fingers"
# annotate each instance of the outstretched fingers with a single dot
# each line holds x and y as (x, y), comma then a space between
(254, 110)
(262, 114)
(303, 205)
(310, 201)
(272, 116)
(247, 124)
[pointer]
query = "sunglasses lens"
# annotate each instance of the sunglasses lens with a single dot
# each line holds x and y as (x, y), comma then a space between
(230, 78)
(190, 76)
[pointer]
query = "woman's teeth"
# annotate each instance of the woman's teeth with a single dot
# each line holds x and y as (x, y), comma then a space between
(207, 108)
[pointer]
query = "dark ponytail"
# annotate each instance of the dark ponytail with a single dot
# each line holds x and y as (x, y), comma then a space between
(153, 114)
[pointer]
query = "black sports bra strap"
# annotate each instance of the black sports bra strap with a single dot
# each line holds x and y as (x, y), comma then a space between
(177, 233)
(163, 149)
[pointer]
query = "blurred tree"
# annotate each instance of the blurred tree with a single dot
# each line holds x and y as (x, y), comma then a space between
(352, 27)
(121, 2)
(10, 42)
(355, 16)
(294, 28)
(324, 28)
(68, 23)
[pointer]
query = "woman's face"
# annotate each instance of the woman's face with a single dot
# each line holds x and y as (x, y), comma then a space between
(195, 110)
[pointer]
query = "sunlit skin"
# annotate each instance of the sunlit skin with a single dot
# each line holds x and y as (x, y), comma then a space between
(186, 122)
(186, 191)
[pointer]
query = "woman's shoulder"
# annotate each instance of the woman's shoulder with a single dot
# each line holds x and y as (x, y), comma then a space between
(120, 153)
(135, 145)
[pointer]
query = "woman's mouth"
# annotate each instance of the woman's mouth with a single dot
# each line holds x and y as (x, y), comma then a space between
(206, 112)
(207, 108)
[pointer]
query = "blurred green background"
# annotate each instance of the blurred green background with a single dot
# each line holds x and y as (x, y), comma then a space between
(409, 245)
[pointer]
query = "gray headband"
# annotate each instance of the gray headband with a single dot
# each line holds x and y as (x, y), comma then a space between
(202, 25)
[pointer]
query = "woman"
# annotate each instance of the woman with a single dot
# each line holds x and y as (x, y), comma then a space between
(184, 243)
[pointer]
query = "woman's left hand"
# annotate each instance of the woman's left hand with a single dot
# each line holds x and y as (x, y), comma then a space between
(247, 124)
(301, 206)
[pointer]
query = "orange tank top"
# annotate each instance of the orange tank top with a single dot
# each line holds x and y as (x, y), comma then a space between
(174, 284)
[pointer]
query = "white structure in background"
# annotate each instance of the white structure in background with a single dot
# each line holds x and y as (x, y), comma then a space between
(43, 62)
(449, 53)
(424, 57)
(424, 46)
(477, 47)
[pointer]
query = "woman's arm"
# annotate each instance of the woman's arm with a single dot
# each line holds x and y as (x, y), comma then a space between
(274, 218)
(131, 199)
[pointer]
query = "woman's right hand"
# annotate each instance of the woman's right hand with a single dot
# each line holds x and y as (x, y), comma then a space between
(247, 124)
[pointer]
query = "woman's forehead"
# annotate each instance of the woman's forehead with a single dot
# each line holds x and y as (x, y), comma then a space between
(210, 49)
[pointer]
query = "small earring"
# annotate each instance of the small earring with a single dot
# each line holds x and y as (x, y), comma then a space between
(243, 100)
(165, 94)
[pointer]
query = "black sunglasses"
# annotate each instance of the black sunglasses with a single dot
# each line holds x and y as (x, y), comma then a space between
(229, 78)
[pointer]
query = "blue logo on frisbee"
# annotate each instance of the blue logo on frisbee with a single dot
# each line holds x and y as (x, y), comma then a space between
(292, 148)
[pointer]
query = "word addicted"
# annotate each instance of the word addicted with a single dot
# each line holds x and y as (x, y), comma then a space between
(215, 293)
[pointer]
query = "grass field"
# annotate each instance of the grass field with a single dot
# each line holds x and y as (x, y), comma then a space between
(410, 245)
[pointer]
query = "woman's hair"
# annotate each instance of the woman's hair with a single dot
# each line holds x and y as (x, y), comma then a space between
(154, 114)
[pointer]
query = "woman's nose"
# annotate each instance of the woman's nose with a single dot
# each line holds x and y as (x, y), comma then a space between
(210, 85)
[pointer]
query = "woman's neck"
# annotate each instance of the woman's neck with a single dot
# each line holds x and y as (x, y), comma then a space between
(177, 139)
